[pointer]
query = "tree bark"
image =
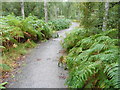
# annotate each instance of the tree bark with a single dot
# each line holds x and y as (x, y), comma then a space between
(105, 17)
(55, 10)
(22, 9)
(45, 11)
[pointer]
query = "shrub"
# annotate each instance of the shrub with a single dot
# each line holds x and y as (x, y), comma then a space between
(60, 24)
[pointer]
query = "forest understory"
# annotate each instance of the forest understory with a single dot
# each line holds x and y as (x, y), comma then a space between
(82, 37)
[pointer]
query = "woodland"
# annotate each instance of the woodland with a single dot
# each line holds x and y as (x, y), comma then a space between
(92, 48)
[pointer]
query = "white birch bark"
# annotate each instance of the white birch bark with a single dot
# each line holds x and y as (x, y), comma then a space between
(45, 11)
(22, 9)
(106, 16)
(55, 8)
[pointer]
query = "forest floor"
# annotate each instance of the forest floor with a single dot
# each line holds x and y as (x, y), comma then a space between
(40, 69)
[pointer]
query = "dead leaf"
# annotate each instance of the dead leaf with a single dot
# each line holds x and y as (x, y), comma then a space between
(62, 51)
(38, 59)
(62, 77)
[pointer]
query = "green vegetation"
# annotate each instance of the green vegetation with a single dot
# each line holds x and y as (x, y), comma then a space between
(2, 85)
(76, 35)
(18, 34)
(12, 55)
(60, 24)
(92, 59)
(18, 28)
(92, 47)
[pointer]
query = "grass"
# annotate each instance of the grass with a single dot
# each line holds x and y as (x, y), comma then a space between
(10, 56)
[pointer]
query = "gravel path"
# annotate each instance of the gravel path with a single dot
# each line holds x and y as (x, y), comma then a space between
(41, 70)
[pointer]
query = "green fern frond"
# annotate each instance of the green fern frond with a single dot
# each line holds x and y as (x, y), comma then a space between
(112, 73)
(85, 52)
(86, 43)
(83, 73)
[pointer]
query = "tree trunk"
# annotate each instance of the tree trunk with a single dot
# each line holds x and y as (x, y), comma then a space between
(61, 12)
(45, 11)
(22, 9)
(55, 8)
(105, 17)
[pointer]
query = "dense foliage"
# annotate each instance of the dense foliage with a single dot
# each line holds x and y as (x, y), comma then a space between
(15, 30)
(60, 24)
(81, 32)
(55, 9)
(87, 12)
(92, 48)
(92, 59)
(17, 34)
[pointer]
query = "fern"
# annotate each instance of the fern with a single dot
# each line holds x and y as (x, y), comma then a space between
(112, 73)
(82, 73)
(15, 31)
(14, 28)
(78, 34)
(85, 52)
(86, 43)
(60, 24)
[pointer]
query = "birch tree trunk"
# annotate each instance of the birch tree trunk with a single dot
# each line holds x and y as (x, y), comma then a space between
(22, 9)
(45, 11)
(106, 16)
(55, 8)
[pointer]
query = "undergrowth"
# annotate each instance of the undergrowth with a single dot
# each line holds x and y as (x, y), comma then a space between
(92, 59)
(17, 35)
(60, 24)
(10, 56)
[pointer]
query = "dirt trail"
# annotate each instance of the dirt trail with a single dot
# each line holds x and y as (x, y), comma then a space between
(41, 70)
